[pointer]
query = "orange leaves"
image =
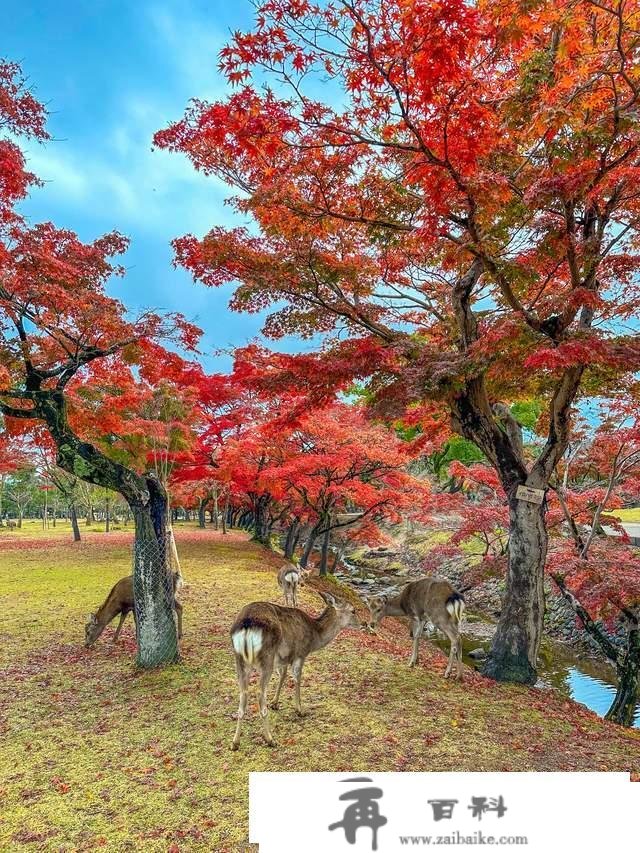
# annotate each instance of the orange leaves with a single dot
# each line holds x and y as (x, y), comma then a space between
(450, 108)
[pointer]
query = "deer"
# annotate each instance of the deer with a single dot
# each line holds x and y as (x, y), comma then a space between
(120, 601)
(426, 600)
(268, 636)
(290, 577)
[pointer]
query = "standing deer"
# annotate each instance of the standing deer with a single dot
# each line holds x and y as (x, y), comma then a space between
(120, 601)
(427, 600)
(267, 636)
(290, 577)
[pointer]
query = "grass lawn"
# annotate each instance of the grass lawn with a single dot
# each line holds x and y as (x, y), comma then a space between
(97, 755)
(632, 514)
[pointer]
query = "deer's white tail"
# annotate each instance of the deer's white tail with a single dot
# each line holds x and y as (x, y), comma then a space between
(455, 606)
(247, 643)
(291, 577)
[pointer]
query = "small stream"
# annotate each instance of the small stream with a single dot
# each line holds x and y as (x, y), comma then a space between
(583, 679)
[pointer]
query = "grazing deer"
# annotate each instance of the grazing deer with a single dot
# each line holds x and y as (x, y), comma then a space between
(290, 577)
(11, 525)
(120, 601)
(268, 636)
(427, 600)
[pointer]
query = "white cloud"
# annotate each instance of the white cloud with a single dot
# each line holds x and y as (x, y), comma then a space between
(113, 171)
(191, 43)
(66, 178)
(136, 187)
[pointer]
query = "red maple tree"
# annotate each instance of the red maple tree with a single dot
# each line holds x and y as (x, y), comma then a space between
(64, 343)
(461, 199)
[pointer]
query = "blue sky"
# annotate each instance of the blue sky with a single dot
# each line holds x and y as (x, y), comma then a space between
(112, 72)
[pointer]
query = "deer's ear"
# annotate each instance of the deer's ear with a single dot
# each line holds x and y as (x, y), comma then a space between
(328, 599)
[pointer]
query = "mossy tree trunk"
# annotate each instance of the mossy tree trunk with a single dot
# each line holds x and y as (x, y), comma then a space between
(147, 499)
(623, 709)
(73, 515)
(324, 553)
(202, 506)
(514, 651)
(291, 539)
(261, 525)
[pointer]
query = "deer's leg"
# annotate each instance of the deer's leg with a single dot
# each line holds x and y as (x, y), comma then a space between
(459, 668)
(123, 616)
(243, 684)
(265, 678)
(294, 595)
(283, 675)
(455, 653)
(296, 672)
(416, 633)
(178, 608)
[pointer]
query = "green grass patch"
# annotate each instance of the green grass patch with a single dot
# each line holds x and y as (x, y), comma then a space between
(631, 514)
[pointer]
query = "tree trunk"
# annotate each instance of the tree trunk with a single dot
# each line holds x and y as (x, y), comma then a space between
(225, 513)
(308, 548)
(74, 522)
(261, 520)
(215, 509)
(514, 652)
(296, 539)
(201, 514)
(152, 582)
(324, 554)
(336, 560)
(291, 539)
(623, 709)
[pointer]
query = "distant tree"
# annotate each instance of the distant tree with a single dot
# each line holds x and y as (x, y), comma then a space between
(21, 490)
